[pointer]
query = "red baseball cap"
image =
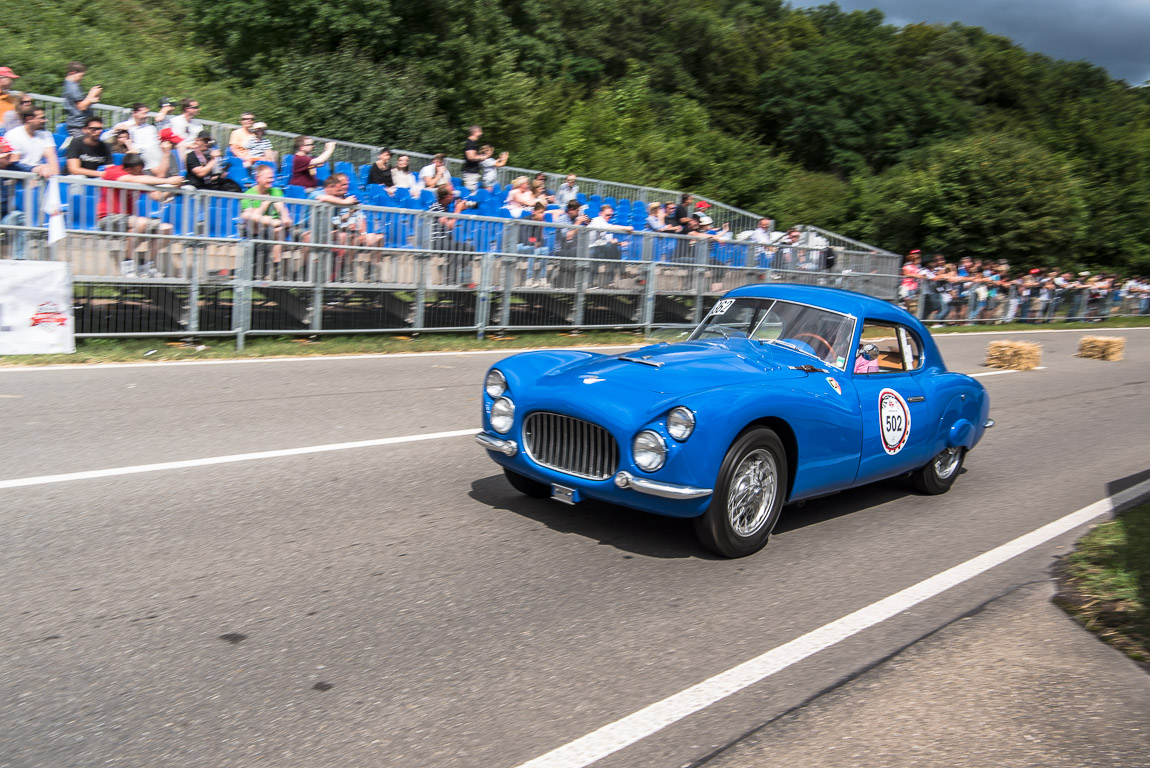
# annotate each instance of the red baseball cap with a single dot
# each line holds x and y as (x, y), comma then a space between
(6, 72)
(702, 205)
(914, 252)
(169, 135)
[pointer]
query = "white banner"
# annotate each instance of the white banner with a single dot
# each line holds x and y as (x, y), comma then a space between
(36, 308)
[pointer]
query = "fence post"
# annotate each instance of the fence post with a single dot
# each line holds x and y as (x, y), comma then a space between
(422, 260)
(483, 298)
(648, 314)
(699, 270)
(582, 269)
(507, 263)
(241, 293)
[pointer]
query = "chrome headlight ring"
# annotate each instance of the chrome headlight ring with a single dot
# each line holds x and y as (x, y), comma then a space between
(680, 423)
(502, 415)
(649, 450)
(495, 385)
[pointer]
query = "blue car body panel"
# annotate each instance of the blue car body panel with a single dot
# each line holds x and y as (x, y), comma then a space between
(829, 420)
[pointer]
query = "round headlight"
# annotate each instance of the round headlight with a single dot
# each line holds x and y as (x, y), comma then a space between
(502, 415)
(496, 383)
(680, 423)
(649, 450)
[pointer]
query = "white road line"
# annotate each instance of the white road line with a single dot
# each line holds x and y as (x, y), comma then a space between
(1108, 331)
(174, 364)
(116, 471)
(625, 732)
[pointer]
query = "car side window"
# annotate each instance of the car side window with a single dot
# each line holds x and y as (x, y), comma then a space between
(911, 349)
(881, 349)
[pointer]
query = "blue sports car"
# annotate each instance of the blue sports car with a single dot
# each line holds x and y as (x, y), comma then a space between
(782, 393)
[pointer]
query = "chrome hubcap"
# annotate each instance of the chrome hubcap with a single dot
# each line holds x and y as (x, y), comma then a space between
(752, 492)
(946, 462)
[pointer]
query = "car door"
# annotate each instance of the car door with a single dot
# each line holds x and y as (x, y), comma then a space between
(897, 426)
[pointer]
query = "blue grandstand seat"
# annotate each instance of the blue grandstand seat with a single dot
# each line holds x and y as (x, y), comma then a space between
(582, 198)
(345, 167)
(426, 198)
(284, 175)
(117, 158)
(60, 134)
(239, 174)
(322, 172)
(595, 200)
(82, 206)
(361, 177)
(295, 191)
(221, 214)
(609, 201)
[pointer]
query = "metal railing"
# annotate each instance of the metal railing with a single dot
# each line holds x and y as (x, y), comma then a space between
(152, 260)
(979, 302)
(364, 154)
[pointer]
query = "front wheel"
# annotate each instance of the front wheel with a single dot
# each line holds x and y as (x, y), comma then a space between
(526, 485)
(939, 473)
(748, 497)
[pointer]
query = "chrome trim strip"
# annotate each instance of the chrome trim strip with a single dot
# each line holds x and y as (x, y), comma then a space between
(655, 488)
(916, 399)
(492, 443)
(642, 361)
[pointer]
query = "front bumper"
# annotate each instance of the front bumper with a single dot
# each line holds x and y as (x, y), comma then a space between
(663, 490)
(493, 443)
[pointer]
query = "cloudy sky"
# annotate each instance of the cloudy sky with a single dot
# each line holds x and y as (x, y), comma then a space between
(1114, 34)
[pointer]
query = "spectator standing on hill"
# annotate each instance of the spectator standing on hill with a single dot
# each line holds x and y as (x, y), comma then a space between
(11, 118)
(303, 165)
(87, 154)
(473, 158)
(117, 212)
(9, 101)
(435, 174)
(260, 146)
(205, 166)
(380, 171)
(402, 174)
(568, 191)
(145, 137)
(491, 166)
(240, 137)
(78, 103)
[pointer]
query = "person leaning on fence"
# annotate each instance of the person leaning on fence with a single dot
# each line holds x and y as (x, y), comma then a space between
(604, 244)
(533, 242)
(117, 211)
(32, 150)
(266, 220)
(443, 235)
(87, 155)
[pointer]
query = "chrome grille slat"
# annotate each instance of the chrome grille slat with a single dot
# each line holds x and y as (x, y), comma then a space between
(570, 445)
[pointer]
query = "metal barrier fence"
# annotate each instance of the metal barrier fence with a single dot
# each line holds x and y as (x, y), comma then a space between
(941, 303)
(364, 154)
(152, 260)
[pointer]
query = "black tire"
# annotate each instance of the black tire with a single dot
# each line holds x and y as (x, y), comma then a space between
(527, 486)
(725, 528)
(939, 473)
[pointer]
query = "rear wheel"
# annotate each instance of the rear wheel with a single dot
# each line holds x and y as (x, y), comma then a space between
(527, 486)
(940, 472)
(748, 497)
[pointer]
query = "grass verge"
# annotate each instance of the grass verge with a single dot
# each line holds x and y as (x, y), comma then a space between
(1105, 583)
(92, 351)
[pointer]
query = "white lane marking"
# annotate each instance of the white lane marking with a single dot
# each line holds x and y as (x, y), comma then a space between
(625, 732)
(953, 334)
(173, 364)
(992, 373)
(22, 482)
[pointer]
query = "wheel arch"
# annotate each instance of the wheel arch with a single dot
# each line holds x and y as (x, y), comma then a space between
(787, 436)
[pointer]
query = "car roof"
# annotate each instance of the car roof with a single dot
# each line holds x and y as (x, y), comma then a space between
(836, 299)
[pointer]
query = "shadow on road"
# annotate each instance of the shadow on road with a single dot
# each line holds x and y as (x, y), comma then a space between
(625, 529)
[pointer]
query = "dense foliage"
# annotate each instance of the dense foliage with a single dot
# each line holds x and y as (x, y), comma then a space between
(940, 137)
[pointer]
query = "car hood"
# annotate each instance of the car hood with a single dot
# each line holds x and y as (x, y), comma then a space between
(677, 369)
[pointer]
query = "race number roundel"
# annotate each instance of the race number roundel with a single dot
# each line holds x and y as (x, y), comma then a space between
(894, 421)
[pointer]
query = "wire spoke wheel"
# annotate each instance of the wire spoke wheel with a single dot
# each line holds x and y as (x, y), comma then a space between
(752, 492)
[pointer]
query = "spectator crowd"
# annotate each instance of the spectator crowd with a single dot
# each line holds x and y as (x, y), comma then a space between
(170, 148)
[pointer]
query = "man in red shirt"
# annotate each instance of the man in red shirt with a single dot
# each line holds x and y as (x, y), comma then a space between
(117, 211)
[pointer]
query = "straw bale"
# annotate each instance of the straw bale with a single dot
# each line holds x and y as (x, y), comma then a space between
(1102, 347)
(1014, 355)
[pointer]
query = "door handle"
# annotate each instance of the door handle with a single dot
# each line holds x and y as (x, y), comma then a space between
(919, 399)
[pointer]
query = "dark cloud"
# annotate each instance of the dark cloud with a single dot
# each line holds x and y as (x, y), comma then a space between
(1110, 33)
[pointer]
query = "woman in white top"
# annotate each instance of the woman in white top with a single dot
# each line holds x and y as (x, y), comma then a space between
(401, 174)
(520, 199)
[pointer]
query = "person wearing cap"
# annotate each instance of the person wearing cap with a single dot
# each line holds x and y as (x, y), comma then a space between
(8, 100)
(260, 146)
(78, 103)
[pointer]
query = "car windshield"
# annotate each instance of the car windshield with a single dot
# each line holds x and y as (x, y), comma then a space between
(818, 332)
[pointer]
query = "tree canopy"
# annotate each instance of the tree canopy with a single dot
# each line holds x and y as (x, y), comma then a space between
(945, 138)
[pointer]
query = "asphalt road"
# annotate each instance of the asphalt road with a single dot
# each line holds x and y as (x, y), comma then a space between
(400, 605)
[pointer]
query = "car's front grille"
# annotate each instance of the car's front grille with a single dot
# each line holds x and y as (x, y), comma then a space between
(570, 445)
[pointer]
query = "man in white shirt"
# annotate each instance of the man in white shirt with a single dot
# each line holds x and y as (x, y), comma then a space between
(435, 175)
(763, 236)
(145, 137)
(185, 125)
(568, 191)
(604, 244)
(36, 146)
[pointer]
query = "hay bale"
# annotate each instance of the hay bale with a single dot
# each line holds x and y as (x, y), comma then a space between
(1014, 355)
(1102, 347)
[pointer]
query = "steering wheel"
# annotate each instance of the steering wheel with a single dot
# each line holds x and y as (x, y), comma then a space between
(806, 334)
